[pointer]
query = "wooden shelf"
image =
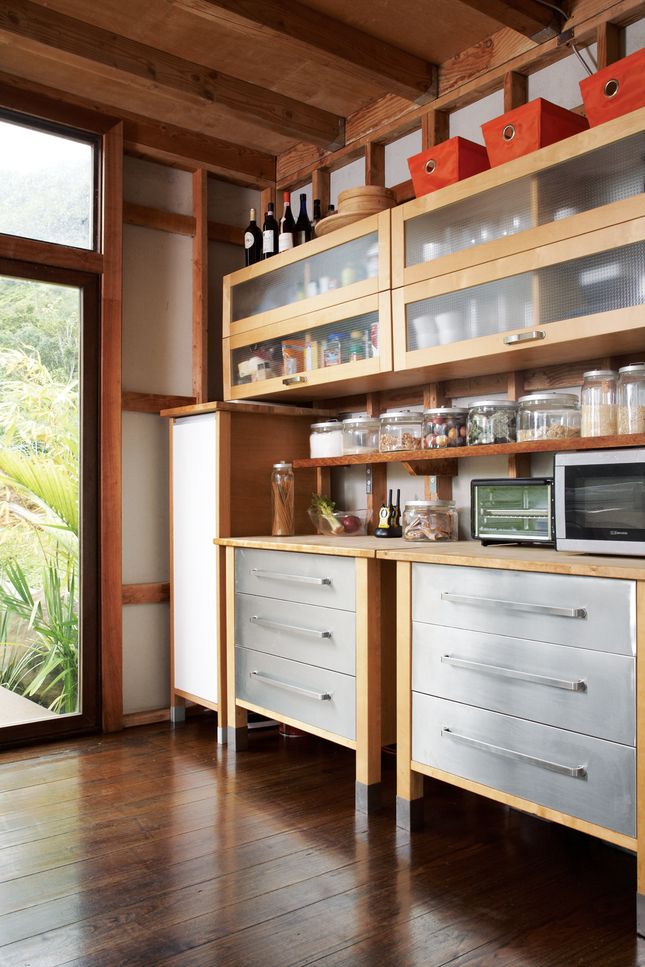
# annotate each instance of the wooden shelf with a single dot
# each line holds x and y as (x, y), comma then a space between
(443, 462)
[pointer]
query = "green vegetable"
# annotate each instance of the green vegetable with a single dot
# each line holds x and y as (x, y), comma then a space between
(324, 507)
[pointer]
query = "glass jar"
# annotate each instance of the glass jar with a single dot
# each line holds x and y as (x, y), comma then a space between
(548, 416)
(361, 435)
(444, 426)
(430, 520)
(400, 430)
(631, 398)
(492, 421)
(282, 499)
(326, 440)
(598, 409)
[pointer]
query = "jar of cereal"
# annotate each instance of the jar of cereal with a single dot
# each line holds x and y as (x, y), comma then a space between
(598, 409)
(631, 398)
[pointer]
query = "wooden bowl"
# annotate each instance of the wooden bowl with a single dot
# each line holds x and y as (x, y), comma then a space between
(338, 220)
(367, 198)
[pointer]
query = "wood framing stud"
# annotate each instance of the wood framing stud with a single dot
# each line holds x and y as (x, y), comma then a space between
(516, 90)
(534, 20)
(152, 402)
(375, 163)
(611, 44)
(145, 593)
(200, 287)
(435, 128)
(320, 179)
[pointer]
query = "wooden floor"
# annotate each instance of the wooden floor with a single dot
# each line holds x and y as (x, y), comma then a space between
(153, 848)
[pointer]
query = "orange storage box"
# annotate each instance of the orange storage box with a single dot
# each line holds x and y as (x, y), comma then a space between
(529, 127)
(615, 90)
(446, 163)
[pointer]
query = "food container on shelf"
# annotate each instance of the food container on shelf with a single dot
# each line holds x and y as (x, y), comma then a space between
(444, 426)
(361, 435)
(326, 439)
(430, 520)
(492, 421)
(529, 127)
(548, 416)
(631, 398)
(400, 430)
(341, 523)
(615, 90)
(598, 408)
(446, 163)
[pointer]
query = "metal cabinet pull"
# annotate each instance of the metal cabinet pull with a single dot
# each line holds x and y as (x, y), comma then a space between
(501, 672)
(533, 336)
(298, 578)
(293, 380)
(278, 683)
(514, 605)
(265, 623)
(575, 772)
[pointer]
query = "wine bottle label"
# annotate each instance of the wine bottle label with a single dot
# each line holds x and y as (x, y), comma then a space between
(285, 241)
(248, 239)
(267, 242)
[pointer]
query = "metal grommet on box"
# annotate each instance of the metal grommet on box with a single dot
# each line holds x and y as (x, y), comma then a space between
(430, 166)
(508, 133)
(611, 88)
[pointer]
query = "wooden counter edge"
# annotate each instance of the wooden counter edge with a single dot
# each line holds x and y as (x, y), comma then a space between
(283, 544)
(266, 409)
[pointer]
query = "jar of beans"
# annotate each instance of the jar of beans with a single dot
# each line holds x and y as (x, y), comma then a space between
(444, 426)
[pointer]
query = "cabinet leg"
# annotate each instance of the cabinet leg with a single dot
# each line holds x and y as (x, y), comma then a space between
(640, 914)
(177, 714)
(222, 735)
(409, 813)
(368, 797)
(238, 738)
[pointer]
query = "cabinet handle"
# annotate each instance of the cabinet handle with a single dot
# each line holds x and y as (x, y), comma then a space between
(575, 772)
(533, 336)
(308, 692)
(513, 605)
(297, 578)
(292, 380)
(265, 623)
(500, 672)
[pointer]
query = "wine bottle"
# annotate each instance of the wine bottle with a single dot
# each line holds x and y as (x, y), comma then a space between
(287, 237)
(331, 210)
(252, 241)
(303, 225)
(317, 216)
(270, 232)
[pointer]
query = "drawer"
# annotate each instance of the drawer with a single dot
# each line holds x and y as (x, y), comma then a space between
(288, 576)
(571, 688)
(318, 636)
(585, 612)
(313, 696)
(581, 776)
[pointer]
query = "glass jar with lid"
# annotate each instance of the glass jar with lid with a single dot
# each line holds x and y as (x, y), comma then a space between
(492, 421)
(400, 430)
(326, 439)
(444, 426)
(430, 520)
(631, 398)
(598, 408)
(361, 434)
(548, 416)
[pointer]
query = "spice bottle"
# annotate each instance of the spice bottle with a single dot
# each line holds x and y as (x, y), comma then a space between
(282, 499)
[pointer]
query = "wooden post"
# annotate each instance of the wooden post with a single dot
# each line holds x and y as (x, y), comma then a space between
(519, 464)
(378, 470)
(320, 188)
(433, 486)
(611, 44)
(409, 785)
(200, 286)
(237, 717)
(375, 163)
(435, 128)
(267, 195)
(516, 90)
(368, 684)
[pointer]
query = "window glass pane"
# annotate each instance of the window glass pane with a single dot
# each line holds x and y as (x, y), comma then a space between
(46, 186)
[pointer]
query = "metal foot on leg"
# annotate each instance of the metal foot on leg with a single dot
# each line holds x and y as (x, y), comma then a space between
(222, 735)
(640, 914)
(409, 813)
(368, 797)
(238, 739)
(177, 714)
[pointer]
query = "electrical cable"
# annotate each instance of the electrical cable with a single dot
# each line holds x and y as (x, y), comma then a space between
(574, 48)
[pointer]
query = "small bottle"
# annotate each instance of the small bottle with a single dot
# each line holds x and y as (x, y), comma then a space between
(331, 209)
(270, 232)
(282, 499)
(317, 216)
(252, 241)
(303, 225)
(287, 237)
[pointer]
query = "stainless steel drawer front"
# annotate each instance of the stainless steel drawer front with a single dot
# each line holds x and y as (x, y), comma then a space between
(290, 576)
(581, 776)
(585, 691)
(303, 632)
(585, 612)
(313, 696)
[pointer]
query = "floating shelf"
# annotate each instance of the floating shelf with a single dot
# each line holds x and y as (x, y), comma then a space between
(443, 462)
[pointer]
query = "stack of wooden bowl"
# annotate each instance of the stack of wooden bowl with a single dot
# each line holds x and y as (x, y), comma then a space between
(354, 204)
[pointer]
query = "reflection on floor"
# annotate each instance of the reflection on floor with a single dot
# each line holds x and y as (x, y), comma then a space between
(16, 710)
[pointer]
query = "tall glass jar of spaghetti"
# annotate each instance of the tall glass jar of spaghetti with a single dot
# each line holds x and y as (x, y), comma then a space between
(282, 502)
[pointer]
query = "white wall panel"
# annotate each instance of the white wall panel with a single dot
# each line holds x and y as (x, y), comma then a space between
(157, 186)
(560, 82)
(635, 37)
(145, 498)
(467, 121)
(350, 176)
(230, 204)
(146, 664)
(396, 158)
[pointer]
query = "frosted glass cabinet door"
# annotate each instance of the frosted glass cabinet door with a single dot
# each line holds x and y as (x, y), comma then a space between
(194, 556)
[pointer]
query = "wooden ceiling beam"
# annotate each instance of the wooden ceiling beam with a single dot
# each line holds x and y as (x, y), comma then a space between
(528, 17)
(37, 30)
(342, 47)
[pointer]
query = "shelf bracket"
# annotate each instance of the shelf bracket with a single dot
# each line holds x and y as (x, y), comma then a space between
(436, 468)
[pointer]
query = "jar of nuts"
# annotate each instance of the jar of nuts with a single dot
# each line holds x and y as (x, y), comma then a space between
(400, 430)
(444, 426)
(598, 408)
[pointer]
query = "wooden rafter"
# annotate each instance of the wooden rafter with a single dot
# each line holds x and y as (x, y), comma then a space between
(36, 30)
(343, 47)
(528, 17)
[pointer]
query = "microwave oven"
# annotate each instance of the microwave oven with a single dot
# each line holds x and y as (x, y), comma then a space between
(600, 501)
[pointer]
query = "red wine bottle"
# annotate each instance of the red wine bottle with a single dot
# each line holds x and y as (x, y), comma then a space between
(252, 241)
(303, 225)
(270, 232)
(317, 215)
(287, 237)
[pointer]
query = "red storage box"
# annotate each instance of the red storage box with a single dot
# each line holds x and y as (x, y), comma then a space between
(446, 163)
(615, 90)
(529, 127)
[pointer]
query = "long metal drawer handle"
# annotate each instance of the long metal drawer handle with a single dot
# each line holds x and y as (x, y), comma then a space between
(575, 772)
(500, 671)
(514, 605)
(299, 578)
(533, 336)
(265, 623)
(319, 696)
